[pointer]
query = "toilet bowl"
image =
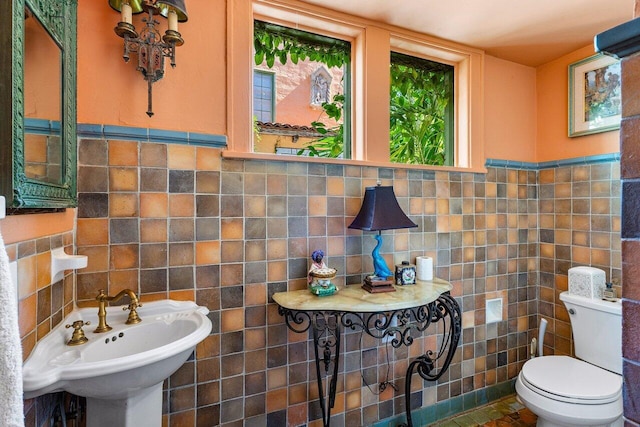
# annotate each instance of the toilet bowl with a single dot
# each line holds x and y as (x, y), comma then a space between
(587, 390)
(563, 391)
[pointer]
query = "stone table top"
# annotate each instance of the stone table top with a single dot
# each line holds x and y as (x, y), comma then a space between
(354, 299)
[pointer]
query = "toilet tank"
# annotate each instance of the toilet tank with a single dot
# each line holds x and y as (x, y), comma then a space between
(597, 330)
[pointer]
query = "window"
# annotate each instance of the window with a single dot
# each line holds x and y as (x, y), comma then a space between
(421, 111)
(365, 83)
(263, 96)
(311, 72)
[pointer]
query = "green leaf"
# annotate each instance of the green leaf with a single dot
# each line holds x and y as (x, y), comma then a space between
(282, 56)
(259, 57)
(319, 127)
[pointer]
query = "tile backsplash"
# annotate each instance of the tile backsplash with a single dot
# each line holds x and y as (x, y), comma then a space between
(179, 221)
(42, 305)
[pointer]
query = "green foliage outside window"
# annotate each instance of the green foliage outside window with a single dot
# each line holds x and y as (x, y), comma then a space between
(271, 42)
(331, 144)
(421, 96)
(421, 111)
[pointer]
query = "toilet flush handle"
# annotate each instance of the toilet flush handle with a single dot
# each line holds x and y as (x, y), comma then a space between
(572, 311)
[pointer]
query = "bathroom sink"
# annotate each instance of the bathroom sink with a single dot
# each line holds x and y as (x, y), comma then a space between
(124, 364)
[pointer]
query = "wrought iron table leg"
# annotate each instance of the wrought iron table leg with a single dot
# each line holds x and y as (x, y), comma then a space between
(326, 337)
(445, 307)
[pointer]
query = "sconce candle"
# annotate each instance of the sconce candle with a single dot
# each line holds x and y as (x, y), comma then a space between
(127, 13)
(173, 20)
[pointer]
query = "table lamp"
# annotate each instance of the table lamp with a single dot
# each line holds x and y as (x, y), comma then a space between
(380, 211)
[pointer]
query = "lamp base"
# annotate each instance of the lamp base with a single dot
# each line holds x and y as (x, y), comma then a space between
(374, 285)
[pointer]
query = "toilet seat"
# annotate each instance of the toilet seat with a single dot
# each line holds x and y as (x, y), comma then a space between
(571, 380)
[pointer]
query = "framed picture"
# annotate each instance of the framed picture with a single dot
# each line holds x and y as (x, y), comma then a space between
(594, 95)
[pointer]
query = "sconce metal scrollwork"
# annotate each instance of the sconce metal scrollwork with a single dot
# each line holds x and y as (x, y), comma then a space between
(151, 47)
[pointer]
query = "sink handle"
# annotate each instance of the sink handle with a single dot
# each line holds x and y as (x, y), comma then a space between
(78, 336)
(133, 313)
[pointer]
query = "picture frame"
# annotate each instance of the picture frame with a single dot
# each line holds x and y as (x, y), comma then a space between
(594, 95)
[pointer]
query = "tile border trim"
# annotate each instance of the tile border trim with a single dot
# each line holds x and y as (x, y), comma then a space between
(41, 126)
(86, 130)
(586, 160)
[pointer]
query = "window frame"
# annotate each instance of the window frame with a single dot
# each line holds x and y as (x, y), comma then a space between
(371, 45)
(347, 75)
(272, 76)
(449, 134)
(468, 97)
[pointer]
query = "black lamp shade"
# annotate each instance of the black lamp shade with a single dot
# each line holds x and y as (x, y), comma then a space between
(177, 5)
(380, 211)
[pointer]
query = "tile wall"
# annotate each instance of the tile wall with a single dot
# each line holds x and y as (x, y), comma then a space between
(178, 221)
(42, 304)
(579, 225)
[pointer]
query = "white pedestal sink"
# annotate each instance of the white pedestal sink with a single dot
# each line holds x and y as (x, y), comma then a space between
(144, 409)
(120, 372)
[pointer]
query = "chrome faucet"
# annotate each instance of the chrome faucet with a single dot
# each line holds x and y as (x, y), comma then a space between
(103, 298)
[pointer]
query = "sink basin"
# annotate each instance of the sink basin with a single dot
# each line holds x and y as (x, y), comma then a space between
(121, 370)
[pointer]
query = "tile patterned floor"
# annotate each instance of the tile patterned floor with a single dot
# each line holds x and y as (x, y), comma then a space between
(502, 413)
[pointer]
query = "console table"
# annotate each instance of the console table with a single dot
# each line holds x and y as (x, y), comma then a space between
(390, 314)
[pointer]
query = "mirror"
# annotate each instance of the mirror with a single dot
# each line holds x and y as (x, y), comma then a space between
(38, 166)
(42, 103)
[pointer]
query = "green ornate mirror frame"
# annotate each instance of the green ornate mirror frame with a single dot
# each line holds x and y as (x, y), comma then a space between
(23, 188)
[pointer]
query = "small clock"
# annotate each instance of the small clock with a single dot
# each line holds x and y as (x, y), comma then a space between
(405, 274)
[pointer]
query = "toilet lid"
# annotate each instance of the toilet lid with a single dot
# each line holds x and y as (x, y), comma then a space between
(568, 379)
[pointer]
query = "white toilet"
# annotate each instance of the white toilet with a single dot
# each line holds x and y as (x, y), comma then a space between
(564, 391)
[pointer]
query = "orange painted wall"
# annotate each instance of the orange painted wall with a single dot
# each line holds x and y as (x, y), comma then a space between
(525, 108)
(113, 92)
(190, 97)
(553, 142)
(510, 110)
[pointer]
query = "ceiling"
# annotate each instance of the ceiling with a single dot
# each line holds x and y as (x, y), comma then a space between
(527, 32)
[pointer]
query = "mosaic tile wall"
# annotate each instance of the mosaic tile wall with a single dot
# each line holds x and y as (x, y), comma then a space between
(183, 223)
(178, 221)
(579, 225)
(42, 304)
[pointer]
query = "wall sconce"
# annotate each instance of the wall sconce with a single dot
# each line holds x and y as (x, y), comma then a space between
(149, 45)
